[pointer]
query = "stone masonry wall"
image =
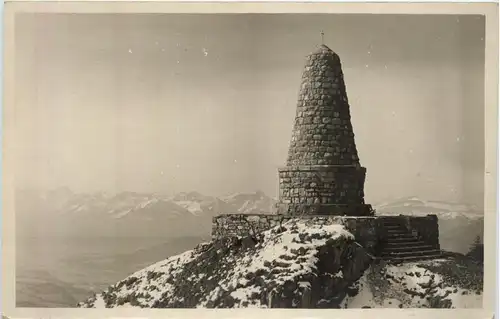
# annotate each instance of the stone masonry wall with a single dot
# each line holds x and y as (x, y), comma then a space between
(338, 188)
(369, 231)
(323, 133)
(243, 225)
(322, 175)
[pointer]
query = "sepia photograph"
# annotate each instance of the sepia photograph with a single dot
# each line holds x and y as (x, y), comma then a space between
(249, 160)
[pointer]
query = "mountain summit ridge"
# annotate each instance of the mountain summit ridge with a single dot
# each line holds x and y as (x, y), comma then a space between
(295, 265)
(67, 201)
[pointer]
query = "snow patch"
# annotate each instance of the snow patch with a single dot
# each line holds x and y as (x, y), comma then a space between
(288, 253)
(410, 285)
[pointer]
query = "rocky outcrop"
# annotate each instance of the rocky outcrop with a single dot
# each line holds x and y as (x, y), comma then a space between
(447, 282)
(299, 264)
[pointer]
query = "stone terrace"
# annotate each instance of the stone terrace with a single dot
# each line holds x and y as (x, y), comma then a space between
(370, 232)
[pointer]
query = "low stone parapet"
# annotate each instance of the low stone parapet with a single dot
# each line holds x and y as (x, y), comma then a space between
(368, 230)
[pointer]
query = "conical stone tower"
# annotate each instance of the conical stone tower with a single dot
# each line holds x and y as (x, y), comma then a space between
(323, 175)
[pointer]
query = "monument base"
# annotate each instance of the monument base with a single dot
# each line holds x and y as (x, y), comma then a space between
(323, 189)
(421, 233)
(324, 209)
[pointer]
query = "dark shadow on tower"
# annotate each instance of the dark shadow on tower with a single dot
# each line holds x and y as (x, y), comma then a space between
(323, 175)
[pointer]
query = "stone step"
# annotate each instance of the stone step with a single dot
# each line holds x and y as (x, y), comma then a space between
(398, 232)
(393, 225)
(410, 247)
(398, 221)
(409, 243)
(410, 253)
(400, 235)
(404, 242)
(413, 258)
(391, 228)
(394, 230)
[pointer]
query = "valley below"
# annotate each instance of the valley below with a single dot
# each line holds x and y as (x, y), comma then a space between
(58, 272)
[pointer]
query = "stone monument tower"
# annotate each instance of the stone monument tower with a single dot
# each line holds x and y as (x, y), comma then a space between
(322, 175)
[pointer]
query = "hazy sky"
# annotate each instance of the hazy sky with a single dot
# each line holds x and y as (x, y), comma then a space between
(171, 103)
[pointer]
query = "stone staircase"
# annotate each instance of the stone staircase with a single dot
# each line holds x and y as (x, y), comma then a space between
(402, 245)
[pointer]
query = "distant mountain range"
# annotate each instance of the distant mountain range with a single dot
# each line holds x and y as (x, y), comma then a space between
(125, 204)
(61, 212)
(128, 213)
(415, 206)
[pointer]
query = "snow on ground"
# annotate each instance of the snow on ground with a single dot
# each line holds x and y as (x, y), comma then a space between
(99, 302)
(240, 272)
(224, 276)
(145, 286)
(281, 251)
(411, 285)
